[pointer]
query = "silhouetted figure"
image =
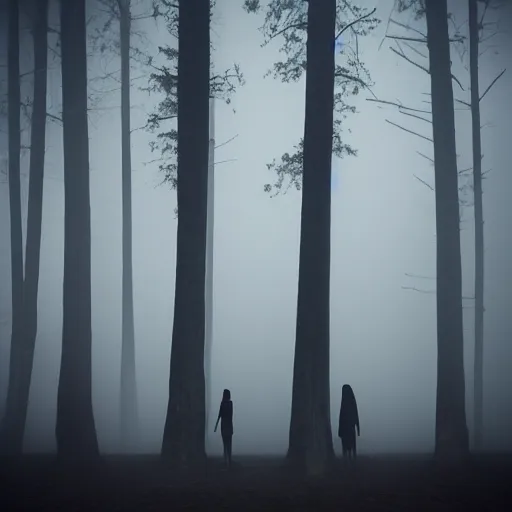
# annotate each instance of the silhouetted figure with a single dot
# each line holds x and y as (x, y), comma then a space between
(226, 425)
(349, 421)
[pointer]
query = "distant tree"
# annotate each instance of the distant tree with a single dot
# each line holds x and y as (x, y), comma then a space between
(106, 39)
(184, 433)
(310, 444)
(121, 11)
(478, 30)
(288, 19)
(208, 337)
(128, 416)
(451, 429)
(10, 428)
(474, 36)
(22, 351)
(75, 428)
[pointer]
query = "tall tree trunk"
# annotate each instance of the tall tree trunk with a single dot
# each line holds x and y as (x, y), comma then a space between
(451, 429)
(75, 429)
(184, 433)
(129, 417)
(310, 445)
(21, 370)
(479, 225)
(11, 438)
(209, 262)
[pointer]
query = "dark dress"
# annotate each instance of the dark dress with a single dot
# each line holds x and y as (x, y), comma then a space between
(226, 418)
(349, 421)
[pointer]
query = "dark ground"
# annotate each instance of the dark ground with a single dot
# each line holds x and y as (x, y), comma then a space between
(377, 483)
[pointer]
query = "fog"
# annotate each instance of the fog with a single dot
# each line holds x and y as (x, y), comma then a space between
(383, 334)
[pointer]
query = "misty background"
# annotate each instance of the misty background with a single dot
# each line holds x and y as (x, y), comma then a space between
(383, 336)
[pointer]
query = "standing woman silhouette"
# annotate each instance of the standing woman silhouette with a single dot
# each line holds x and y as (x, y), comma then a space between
(349, 421)
(226, 424)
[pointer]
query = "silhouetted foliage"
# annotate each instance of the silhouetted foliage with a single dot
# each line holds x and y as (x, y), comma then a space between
(163, 80)
(288, 19)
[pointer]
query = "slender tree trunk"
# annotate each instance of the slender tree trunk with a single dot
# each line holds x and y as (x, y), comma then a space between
(209, 262)
(184, 433)
(11, 438)
(129, 417)
(21, 371)
(479, 225)
(75, 429)
(451, 429)
(310, 444)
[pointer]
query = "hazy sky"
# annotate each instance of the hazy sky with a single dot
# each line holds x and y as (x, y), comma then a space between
(383, 337)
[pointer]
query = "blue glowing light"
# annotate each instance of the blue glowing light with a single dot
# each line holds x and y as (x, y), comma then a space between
(338, 44)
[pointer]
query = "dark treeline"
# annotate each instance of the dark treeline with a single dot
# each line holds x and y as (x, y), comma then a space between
(187, 84)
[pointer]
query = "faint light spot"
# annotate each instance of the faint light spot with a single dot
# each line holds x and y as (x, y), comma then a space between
(338, 45)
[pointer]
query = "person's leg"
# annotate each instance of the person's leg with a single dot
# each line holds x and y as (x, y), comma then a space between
(229, 442)
(344, 450)
(224, 444)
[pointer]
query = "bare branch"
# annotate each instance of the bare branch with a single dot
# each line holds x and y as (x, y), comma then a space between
(412, 39)
(409, 131)
(226, 161)
(401, 54)
(407, 27)
(431, 292)
(414, 289)
(399, 105)
(431, 160)
(416, 276)
(462, 102)
(415, 50)
(424, 183)
(288, 27)
(226, 142)
(415, 116)
(57, 119)
(491, 84)
(352, 23)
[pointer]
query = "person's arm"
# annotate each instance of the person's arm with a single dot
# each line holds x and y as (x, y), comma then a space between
(218, 418)
(357, 421)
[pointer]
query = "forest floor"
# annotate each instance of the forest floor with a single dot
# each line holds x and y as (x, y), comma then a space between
(378, 483)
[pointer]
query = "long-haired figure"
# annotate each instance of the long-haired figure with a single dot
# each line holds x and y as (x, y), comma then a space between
(226, 424)
(349, 421)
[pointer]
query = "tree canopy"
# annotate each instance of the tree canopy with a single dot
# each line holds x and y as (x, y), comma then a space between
(164, 80)
(287, 19)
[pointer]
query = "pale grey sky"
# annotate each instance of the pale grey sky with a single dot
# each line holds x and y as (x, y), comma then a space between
(383, 338)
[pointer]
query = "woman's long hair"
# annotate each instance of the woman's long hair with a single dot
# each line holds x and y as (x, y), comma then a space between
(348, 400)
(226, 395)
